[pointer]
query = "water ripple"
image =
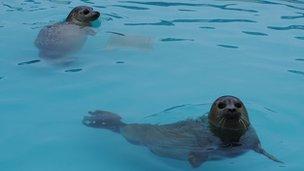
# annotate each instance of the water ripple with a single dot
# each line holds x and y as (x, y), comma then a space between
(300, 37)
(169, 4)
(163, 4)
(131, 7)
(62, 2)
(114, 15)
(171, 23)
(116, 33)
(12, 8)
(29, 62)
(293, 17)
(255, 33)
(294, 1)
(212, 20)
(296, 72)
(186, 10)
(291, 27)
(206, 27)
(228, 46)
(300, 59)
(99, 6)
(73, 70)
(161, 23)
(32, 1)
(273, 3)
(87, 1)
(175, 39)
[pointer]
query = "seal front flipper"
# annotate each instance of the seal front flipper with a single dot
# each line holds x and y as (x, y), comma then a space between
(196, 159)
(104, 120)
(260, 150)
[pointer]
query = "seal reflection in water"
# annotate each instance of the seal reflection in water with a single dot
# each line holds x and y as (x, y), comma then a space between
(61, 39)
(225, 132)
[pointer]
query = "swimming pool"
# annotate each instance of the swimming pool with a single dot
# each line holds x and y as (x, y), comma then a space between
(200, 50)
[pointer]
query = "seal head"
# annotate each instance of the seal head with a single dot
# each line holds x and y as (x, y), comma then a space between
(228, 119)
(229, 112)
(82, 16)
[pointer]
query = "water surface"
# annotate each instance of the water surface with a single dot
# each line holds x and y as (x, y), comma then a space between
(200, 50)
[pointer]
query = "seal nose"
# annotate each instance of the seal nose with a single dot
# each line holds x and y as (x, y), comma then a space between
(232, 114)
(94, 15)
(232, 110)
(97, 14)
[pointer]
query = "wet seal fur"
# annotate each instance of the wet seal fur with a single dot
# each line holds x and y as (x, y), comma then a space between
(63, 38)
(226, 132)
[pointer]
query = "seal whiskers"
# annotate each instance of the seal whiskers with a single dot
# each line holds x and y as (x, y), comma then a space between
(242, 122)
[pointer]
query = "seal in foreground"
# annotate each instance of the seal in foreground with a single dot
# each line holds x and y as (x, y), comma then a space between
(225, 132)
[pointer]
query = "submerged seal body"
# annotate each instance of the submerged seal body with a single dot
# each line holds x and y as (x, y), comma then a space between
(225, 132)
(63, 38)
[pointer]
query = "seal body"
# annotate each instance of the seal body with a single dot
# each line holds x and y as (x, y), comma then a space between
(60, 40)
(180, 139)
(64, 38)
(225, 132)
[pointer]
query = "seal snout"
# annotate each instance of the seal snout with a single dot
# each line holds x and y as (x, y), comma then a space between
(229, 112)
(95, 16)
(232, 114)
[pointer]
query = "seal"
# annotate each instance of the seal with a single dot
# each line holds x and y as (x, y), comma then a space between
(63, 38)
(224, 133)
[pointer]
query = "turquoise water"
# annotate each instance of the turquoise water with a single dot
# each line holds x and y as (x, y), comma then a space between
(199, 50)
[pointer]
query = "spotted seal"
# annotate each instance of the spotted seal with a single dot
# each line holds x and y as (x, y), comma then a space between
(224, 133)
(63, 38)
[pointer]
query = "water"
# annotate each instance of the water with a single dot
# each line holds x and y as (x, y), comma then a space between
(200, 50)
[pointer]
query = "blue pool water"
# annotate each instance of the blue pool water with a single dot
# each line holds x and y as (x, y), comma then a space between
(198, 50)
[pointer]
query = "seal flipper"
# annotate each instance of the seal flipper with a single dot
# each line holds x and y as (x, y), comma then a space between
(104, 120)
(260, 150)
(196, 159)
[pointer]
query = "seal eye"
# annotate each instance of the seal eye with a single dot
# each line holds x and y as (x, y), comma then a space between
(86, 11)
(221, 105)
(238, 105)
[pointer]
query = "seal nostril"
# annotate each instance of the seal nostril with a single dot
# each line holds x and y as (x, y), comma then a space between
(232, 110)
(97, 14)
